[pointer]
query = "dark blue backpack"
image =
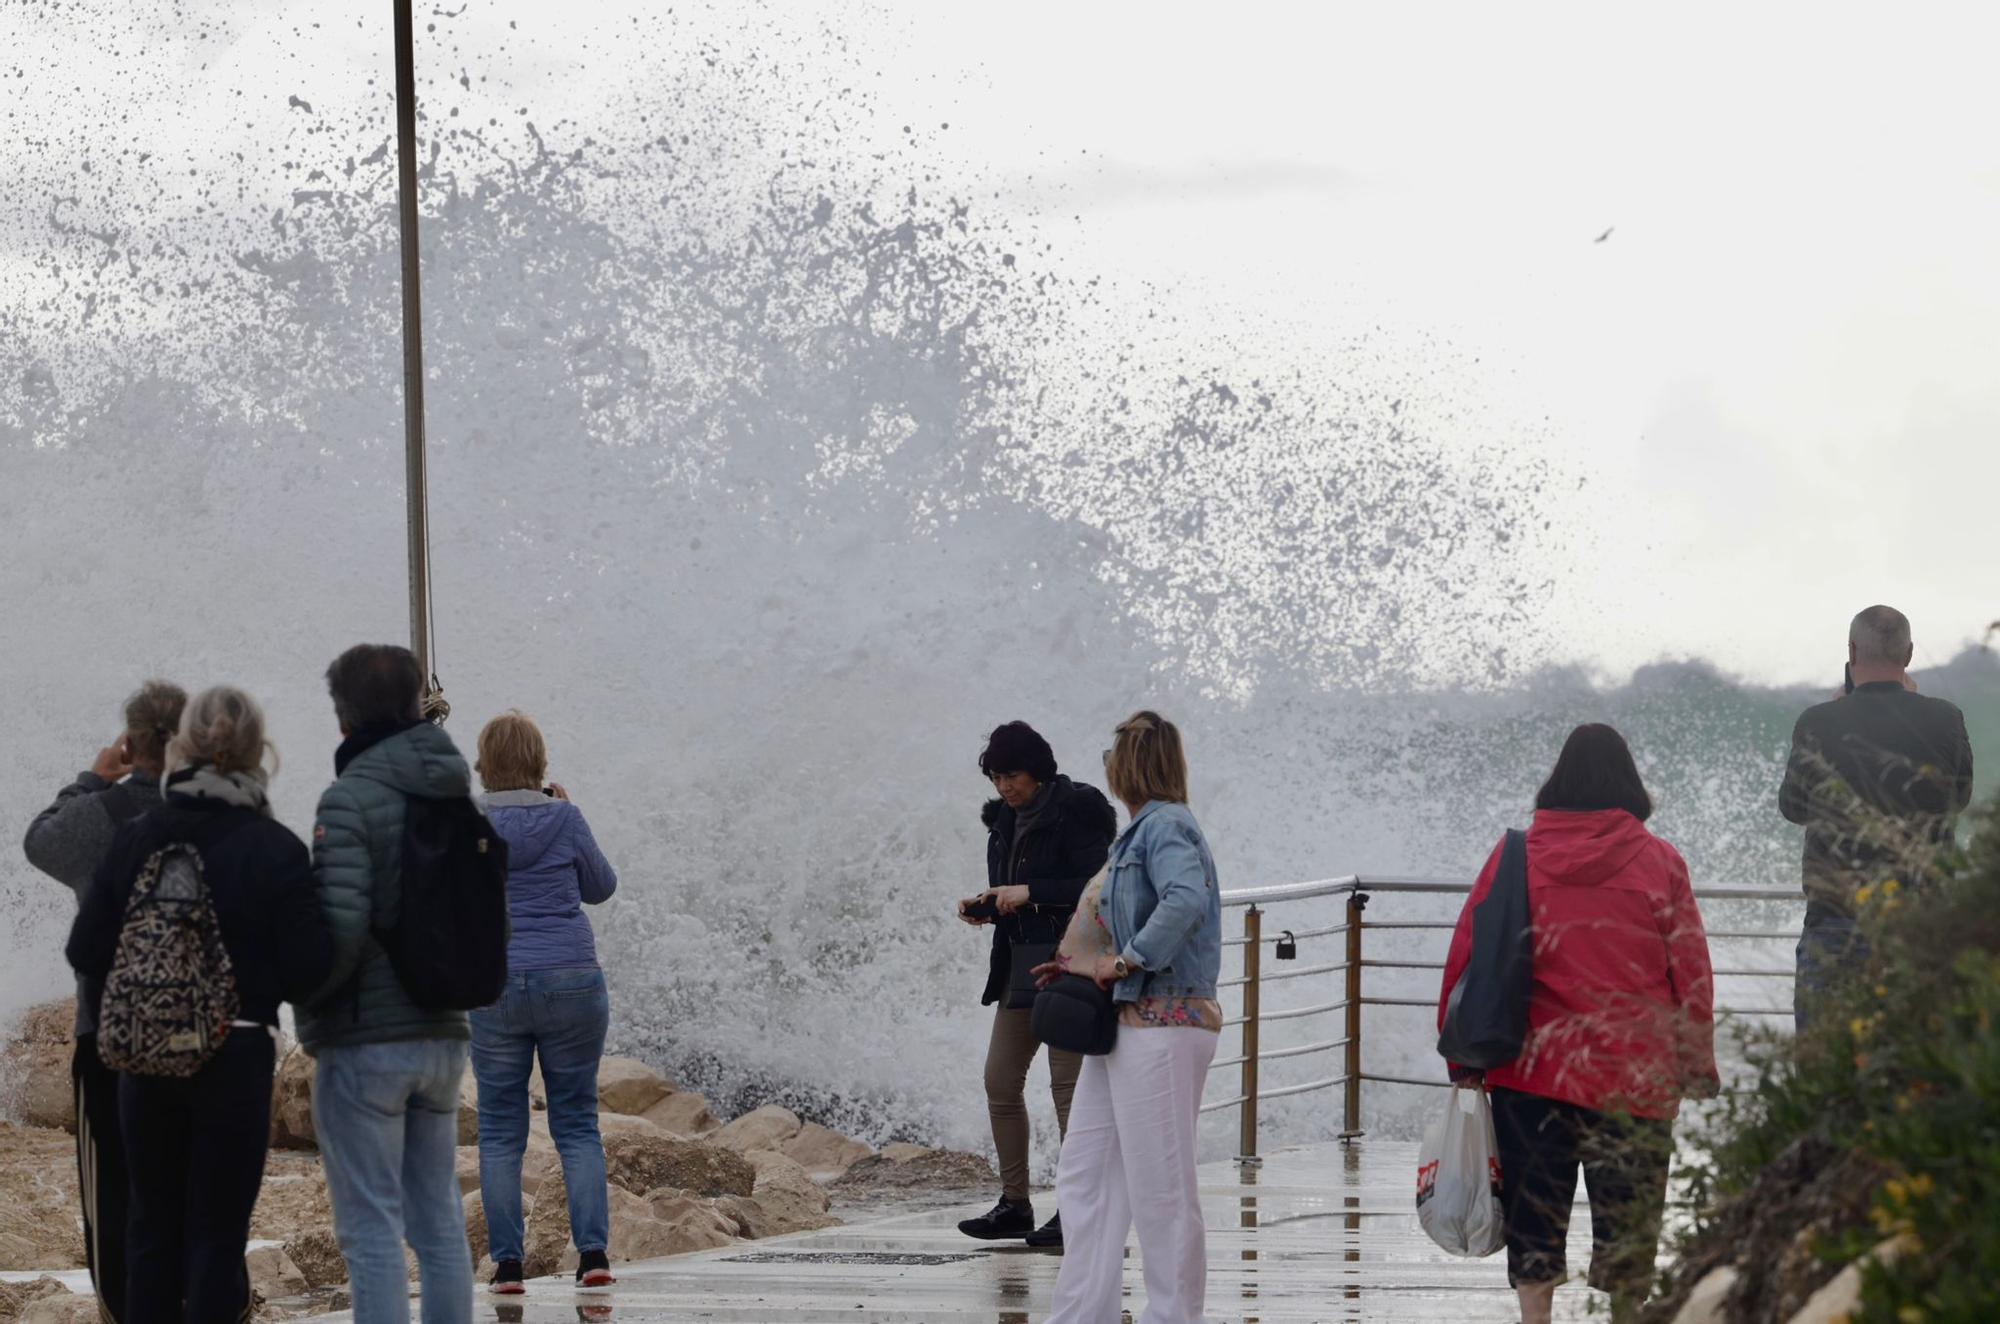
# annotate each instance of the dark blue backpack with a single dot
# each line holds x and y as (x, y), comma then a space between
(1486, 1016)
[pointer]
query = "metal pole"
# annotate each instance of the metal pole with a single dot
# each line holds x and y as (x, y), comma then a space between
(416, 490)
(1356, 903)
(1253, 945)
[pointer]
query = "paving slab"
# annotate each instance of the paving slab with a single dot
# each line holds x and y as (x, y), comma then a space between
(1319, 1233)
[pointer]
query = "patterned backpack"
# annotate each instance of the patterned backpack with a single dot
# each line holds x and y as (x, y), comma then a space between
(171, 995)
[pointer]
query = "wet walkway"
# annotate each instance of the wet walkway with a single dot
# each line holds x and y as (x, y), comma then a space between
(1316, 1234)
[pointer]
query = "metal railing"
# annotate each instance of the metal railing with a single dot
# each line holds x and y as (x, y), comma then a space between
(1354, 996)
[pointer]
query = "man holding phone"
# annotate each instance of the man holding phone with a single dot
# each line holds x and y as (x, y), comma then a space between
(1876, 776)
(67, 841)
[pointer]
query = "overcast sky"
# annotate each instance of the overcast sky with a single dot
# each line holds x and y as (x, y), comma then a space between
(1777, 373)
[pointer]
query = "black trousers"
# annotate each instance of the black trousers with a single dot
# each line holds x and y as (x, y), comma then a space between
(1624, 1161)
(101, 1180)
(196, 1150)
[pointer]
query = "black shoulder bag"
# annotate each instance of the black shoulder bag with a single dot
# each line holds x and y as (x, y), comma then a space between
(1486, 1016)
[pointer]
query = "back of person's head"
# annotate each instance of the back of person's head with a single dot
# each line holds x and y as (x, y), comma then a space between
(1595, 771)
(1881, 637)
(152, 715)
(376, 685)
(512, 754)
(224, 729)
(1145, 761)
(1018, 747)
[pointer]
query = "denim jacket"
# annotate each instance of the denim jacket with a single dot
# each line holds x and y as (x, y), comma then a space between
(1163, 905)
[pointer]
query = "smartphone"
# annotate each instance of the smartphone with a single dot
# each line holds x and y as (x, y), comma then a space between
(985, 908)
(1847, 682)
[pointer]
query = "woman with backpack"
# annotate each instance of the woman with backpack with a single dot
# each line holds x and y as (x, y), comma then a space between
(1620, 1027)
(202, 919)
(556, 1007)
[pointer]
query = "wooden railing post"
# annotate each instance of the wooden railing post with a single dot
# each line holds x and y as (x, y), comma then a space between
(1253, 949)
(1356, 903)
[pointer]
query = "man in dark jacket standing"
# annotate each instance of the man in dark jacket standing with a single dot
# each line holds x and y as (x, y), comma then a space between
(1047, 837)
(1876, 776)
(386, 1086)
(68, 841)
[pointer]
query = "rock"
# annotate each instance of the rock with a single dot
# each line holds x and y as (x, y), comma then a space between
(791, 1201)
(468, 1109)
(14, 1297)
(682, 1222)
(823, 1151)
(1708, 1302)
(316, 1254)
(67, 1309)
(273, 1273)
(38, 1205)
(767, 1128)
(291, 1102)
(546, 1230)
(293, 1200)
(1838, 1301)
(476, 1235)
(746, 1213)
(626, 1085)
(683, 1113)
(467, 1164)
(642, 1163)
(624, 1124)
(35, 1065)
(902, 1167)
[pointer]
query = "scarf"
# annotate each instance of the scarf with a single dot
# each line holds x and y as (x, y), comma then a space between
(1025, 819)
(362, 739)
(202, 781)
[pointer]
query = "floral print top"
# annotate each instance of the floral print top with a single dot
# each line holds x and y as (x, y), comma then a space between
(1089, 938)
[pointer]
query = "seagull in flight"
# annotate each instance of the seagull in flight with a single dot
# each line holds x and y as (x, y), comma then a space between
(1606, 235)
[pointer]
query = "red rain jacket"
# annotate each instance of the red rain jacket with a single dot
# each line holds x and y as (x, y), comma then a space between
(1621, 1018)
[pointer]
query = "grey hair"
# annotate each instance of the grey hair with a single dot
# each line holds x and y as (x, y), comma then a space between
(1881, 635)
(224, 727)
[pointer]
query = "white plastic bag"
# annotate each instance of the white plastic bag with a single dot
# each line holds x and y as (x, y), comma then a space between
(1458, 1177)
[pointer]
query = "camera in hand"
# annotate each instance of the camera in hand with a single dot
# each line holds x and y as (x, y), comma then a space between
(984, 907)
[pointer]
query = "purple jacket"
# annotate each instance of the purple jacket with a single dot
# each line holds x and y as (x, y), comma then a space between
(554, 870)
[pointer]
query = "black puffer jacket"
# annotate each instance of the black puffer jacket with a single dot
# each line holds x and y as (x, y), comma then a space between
(1056, 860)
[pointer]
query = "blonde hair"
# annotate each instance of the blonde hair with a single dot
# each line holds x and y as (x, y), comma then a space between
(1146, 761)
(512, 754)
(152, 715)
(222, 727)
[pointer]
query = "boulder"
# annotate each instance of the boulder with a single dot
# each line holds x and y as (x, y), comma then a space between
(38, 1204)
(642, 1163)
(467, 1166)
(767, 1128)
(35, 1065)
(685, 1222)
(476, 1236)
(683, 1113)
(906, 1167)
(468, 1109)
(627, 1085)
(293, 1200)
(15, 1297)
(823, 1151)
(316, 1255)
(625, 1124)
(1839, 1300)
(273, 1274)
(790, 1200)
(291, 1102)
(1708, 1302)
(69, 1308)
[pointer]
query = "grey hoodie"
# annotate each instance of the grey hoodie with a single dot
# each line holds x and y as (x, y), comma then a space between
(357, 851)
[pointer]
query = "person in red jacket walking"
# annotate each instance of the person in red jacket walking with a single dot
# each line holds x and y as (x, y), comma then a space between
(1620, 1027)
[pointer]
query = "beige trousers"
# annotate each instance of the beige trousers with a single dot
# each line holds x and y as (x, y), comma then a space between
(1008, 1056)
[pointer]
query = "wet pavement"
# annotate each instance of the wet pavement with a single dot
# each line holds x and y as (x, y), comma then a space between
(1316, 1234)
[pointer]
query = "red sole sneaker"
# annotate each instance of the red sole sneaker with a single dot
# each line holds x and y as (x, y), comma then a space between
(509, 1289)
(596, 1278)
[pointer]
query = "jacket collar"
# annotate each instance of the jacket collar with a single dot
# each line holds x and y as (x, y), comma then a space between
(362, 739)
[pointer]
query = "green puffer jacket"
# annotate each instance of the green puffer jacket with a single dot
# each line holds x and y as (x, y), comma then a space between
(357, 862)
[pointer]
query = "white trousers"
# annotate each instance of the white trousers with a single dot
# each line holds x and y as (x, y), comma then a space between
(1129, 1159)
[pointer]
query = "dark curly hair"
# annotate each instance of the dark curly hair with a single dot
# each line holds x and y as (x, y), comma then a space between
(1017, 747)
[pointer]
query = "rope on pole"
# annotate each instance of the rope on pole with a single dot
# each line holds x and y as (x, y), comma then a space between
(417, 492)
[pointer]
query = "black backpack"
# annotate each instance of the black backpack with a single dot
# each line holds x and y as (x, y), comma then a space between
(449, 942)
(1486, 1016)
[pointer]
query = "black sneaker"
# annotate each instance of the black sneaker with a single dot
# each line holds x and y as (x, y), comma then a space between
(1048, 1234)
(593, 1269)
(507, 1278)
(1008, 1219)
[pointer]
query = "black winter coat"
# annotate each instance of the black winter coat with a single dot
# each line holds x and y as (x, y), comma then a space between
(260, 881)
(1056, 860)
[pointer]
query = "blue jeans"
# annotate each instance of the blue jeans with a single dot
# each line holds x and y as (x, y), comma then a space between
(1832, 952)
(562, 1015)
(387, 1120)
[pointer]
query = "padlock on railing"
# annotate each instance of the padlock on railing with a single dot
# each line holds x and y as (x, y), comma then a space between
(1288, 947)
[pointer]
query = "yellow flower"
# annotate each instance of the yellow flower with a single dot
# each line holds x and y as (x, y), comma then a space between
(1911, 1315)
(1891, 887)
(1881, 990)
(1896, 1191)
(1858, 1027)
(1862, 895)
(1921, 1186)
